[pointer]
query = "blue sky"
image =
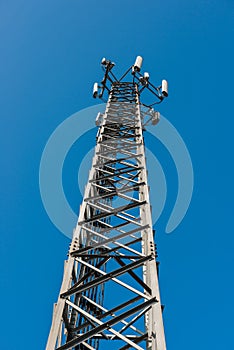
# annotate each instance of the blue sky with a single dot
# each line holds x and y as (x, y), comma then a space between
(50, 57)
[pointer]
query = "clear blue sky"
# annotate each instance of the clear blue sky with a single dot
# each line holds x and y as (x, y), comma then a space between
(50, 54)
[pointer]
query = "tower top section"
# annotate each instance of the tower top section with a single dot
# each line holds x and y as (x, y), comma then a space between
(142, 80)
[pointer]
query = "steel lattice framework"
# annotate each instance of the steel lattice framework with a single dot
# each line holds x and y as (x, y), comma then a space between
(110, 291)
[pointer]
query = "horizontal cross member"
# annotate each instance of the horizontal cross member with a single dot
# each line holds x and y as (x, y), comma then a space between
(105, 325)
(113, 212)
(108, 276)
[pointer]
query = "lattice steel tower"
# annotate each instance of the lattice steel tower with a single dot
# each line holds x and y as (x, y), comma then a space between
(109, 297)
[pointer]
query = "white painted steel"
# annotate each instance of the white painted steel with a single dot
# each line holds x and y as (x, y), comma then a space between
(118, 162)
(154, 321)
(100, 323)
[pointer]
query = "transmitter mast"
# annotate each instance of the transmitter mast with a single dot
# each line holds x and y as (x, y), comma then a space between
(109, 297)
